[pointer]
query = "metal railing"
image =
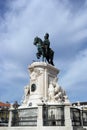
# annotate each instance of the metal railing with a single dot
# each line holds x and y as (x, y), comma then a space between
(75, 116)
(53, 115)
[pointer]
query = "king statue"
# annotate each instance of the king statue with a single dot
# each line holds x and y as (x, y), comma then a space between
(44, 49)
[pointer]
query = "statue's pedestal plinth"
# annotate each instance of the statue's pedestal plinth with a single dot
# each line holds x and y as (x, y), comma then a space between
(41, 75)
(43, 85)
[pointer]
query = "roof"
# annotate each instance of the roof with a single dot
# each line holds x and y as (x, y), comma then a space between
(81, 103)
(4, 104)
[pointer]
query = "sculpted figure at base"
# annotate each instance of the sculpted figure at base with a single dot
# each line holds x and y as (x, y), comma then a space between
(55, 92)
(26, 94)
(44, 49)
(51, 92)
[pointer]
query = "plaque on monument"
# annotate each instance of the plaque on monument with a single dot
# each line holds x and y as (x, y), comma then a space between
(28, 117)
(25, 117)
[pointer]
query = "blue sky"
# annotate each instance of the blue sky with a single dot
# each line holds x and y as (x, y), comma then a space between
(21, 21)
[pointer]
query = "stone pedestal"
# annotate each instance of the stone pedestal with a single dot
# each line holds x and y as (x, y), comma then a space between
(41, 75)
(43, 85)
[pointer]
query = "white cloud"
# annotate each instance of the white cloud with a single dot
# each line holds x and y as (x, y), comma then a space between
(10, 71)
(77, 71)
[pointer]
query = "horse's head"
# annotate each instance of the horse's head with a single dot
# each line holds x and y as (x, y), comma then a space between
(37, 40)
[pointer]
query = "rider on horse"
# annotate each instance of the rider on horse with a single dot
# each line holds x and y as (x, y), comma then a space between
(44, 49)
(47, 42)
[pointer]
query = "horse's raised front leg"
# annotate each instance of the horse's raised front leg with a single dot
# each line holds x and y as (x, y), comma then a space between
(38, 55)
(43, 58)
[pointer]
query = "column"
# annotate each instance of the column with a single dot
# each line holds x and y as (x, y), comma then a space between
(10, 118)
(46, 83)
(68, 122)
(40, 117)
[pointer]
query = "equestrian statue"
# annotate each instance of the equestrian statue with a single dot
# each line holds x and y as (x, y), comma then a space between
(44, 49)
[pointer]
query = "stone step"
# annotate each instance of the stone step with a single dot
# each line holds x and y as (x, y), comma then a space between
(79, 128)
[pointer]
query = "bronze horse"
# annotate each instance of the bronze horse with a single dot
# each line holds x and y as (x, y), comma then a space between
(47, 54)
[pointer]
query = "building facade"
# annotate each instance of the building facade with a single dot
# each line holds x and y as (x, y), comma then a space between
(4, 113)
